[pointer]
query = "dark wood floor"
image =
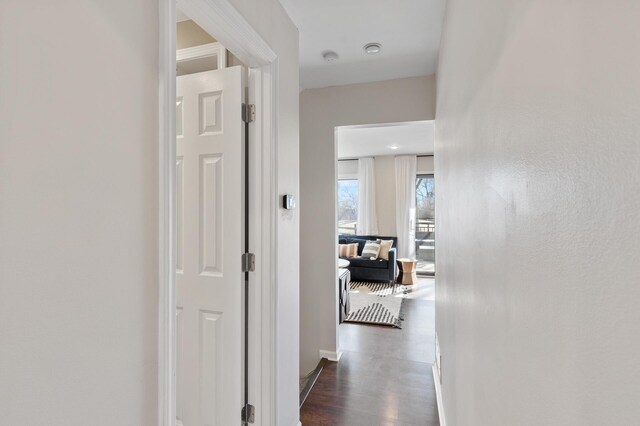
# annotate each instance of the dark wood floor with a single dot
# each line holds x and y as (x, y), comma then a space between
(383, 378)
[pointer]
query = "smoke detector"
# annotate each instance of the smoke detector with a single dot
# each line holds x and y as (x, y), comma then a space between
(372, 48)
(330, 56)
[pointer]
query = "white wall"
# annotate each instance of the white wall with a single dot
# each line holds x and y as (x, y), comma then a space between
(385, 186)
(321, 110)
(271, 21)
(537, 157)
(78, 209)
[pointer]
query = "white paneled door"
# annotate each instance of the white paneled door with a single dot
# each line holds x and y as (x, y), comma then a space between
(209, 194)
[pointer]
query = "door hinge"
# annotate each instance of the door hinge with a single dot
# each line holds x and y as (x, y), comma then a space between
(248, 262)
(248, 414)
(248, 113)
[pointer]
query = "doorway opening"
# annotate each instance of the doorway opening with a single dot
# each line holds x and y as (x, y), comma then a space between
(385, 193)
(217, 202)
(384, 207)
(211, 230)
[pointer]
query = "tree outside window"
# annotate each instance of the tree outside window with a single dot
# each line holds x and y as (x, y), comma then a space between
(425, 224)
(347, 206)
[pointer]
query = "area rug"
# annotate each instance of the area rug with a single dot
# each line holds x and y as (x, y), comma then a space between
(376, 303)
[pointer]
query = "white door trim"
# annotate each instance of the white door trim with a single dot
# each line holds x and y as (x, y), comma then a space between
(220, 19)
(438, 386)
(204, 51)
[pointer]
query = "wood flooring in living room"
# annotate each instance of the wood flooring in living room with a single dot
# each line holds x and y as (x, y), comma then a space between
(384, 376)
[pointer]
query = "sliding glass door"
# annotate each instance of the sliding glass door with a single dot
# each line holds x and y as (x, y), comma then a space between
(426, 224)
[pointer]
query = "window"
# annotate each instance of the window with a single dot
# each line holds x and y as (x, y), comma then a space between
(347, 206)
(425, 224)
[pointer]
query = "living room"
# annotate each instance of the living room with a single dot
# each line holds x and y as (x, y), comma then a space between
(385, 205)
(368, 188)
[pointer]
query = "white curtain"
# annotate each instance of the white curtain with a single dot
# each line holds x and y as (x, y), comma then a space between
(367, 219)
(406, 205)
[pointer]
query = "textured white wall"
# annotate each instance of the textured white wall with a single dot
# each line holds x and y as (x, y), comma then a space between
(538, 166)
(321, 110)
(271, 21)
(78, 209)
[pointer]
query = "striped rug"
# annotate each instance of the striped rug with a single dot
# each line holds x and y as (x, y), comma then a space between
(376, 303)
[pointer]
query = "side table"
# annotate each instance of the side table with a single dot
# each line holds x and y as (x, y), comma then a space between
(407, 268)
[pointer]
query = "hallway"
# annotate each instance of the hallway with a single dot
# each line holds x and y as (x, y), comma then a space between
(384, 376)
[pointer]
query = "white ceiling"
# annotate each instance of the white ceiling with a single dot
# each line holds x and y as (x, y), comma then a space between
(364, 141)
(409, 31)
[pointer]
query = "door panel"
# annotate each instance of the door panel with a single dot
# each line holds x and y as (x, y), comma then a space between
(211, 243)
(210, 234)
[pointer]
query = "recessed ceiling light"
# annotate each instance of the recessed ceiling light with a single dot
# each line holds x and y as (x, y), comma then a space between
(372, 48)
(330, 56)
(393, 146)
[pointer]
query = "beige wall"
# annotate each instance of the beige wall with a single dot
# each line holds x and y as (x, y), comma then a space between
(537, 157)
(189, 34)
(78, 227)
(321, 110)
(385, 187)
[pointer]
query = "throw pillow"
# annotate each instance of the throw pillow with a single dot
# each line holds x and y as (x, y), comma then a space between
(371, 250)
(361, 242)
(348, 250)
(385, 246)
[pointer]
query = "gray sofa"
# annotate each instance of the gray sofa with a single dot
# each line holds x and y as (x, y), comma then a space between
(366, 269)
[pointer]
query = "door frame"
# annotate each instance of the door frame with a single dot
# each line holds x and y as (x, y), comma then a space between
(220, 19)
(204, 51)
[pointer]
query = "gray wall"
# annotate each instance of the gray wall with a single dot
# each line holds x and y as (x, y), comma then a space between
(537, 157)
(321, 110)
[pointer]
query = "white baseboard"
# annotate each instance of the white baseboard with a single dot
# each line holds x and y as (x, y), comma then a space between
(299, 423)
(436, 380)
(331, 355)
